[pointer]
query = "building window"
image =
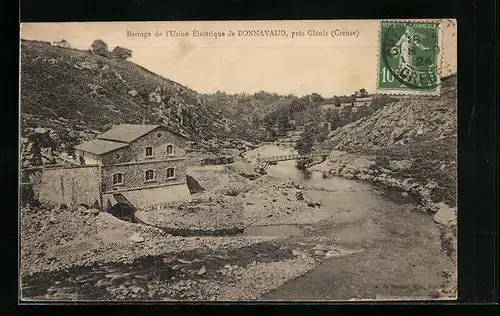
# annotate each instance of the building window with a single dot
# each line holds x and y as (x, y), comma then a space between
(149, 151)
(118, 178)
(150, 175)
(170, 173)
(170, 150)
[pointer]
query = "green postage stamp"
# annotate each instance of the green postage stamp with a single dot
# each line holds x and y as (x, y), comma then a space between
(409, 57)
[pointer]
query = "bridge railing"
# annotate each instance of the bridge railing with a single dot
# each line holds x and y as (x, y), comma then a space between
(292, 157)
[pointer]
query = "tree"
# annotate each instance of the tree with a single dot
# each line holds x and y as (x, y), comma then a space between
(35, 151)
(283, 120)
(99, 47)
(347, 115)
(362, 111)
(316, 98)
(305, 143)
(271, 134)
(62, 43)
(302, 165)
(337, 102)
(323, 132)
(363, 92)
(121, 53)
(380, 101)
(333, 118)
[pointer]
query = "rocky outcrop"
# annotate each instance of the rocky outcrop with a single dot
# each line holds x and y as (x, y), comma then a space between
(411, 120)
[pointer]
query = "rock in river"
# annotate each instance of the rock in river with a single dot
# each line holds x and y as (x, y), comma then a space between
(202, 271)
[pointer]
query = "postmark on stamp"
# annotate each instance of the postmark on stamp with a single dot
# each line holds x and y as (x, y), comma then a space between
(409, 57)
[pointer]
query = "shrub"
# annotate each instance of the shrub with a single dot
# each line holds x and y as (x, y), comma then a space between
(305, 143)
(121, 53)
(62, 43)
(99, 47)
(382, 161)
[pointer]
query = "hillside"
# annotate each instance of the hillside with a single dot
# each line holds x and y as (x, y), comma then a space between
(413, 140)
(69, 95)
(250, 109)
(417, 119)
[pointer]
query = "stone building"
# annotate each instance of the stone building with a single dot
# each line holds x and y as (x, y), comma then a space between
(145, 164)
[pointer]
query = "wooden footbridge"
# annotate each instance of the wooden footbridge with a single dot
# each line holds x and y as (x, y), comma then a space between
(264, 162)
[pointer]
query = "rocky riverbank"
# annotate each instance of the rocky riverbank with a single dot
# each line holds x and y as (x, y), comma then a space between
(56, 239)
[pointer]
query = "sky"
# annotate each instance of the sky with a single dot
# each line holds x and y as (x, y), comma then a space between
(300, 65)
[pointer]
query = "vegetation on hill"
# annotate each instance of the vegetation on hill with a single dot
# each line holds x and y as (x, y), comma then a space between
(272, 115)
(69, 95)
(420, 130)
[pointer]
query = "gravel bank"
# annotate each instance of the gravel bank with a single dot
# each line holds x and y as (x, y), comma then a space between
(54, 239)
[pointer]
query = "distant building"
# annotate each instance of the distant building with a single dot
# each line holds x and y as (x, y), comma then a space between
(217, 160)
(329, 106)
(366, 100)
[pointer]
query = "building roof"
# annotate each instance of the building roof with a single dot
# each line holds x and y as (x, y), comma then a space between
(100, 146)
(127, 133)
(118, 137)
(367, 98)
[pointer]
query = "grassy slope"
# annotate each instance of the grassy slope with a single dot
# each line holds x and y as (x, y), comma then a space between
(76, 95)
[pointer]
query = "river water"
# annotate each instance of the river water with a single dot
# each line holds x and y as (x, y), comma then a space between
(287, 169)
(397, 247)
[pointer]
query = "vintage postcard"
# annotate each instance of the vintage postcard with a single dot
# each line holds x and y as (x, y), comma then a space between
(238, 161)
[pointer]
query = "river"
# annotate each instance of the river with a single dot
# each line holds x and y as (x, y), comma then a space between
(400, 254)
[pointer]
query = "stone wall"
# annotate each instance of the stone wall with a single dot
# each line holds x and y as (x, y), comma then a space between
(134, 175)
(146, 198)
(70, 186)
(90, 159)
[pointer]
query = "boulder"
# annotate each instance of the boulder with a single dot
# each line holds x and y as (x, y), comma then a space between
(53, 220)
(445, 215)
(348, 175)
(202, 271)
(92, 211)
(400, 164)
